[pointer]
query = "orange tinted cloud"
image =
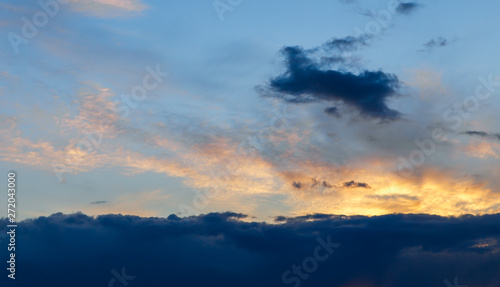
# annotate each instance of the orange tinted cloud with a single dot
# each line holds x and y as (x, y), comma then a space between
(482, 149)
(242, 179)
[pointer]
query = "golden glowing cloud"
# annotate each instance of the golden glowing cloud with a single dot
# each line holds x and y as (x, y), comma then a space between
(243, 179)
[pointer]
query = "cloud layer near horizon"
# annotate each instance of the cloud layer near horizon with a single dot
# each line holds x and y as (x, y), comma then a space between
(219, 249)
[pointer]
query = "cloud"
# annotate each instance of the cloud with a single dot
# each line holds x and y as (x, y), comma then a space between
(309, 217)
(94, 112)
(352, 184)
(333, 111)
(99, 202)
(314, 184)
(481, 150)
(483, 134)
(108, 8)
(439, 190)
(397, 202)
(407, 8)
(304, 82)
(347, 44)
(297, 184)
(394, 197)
(438, 42)
(247, 182)
(96, 8)
(222, 250)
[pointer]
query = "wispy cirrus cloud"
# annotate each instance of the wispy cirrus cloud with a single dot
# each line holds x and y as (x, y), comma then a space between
(108, 8)
(203, 156)
(482, 150)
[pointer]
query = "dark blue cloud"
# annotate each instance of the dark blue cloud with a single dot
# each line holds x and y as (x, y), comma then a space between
(314, 184)
(305, 81)
(333, 111)
(347, 44)
(220, 250)
(482, 134)
(406, 8)
(353, 184)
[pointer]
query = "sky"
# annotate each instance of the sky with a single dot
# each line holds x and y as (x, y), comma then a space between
(256, 112)
(146, 107)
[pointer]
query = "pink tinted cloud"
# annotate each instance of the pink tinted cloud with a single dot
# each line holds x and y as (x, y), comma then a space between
(108, 8)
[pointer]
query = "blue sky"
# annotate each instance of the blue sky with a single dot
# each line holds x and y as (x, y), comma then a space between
(186, 136)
